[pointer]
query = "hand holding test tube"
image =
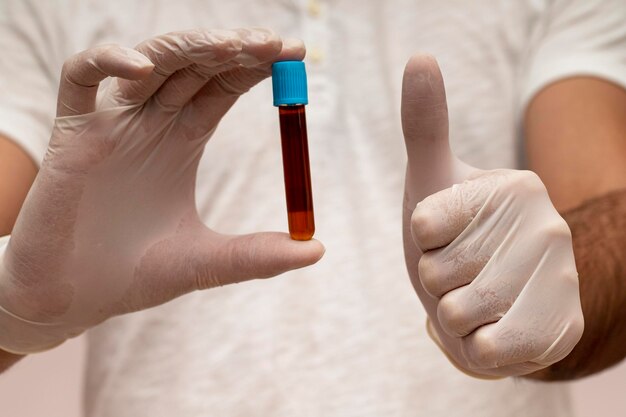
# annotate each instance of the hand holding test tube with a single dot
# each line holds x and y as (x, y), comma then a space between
(110, 225)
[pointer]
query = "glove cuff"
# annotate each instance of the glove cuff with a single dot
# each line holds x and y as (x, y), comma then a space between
(20, 336)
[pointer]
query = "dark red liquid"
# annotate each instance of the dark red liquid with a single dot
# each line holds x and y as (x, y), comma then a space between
(297, 172)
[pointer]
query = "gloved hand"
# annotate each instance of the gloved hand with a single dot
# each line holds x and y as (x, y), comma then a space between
(110, 225)
(489, 256)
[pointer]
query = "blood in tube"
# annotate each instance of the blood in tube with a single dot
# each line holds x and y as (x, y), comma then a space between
(297, 172)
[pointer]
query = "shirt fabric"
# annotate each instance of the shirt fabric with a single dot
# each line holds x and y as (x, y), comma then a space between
(345, 337)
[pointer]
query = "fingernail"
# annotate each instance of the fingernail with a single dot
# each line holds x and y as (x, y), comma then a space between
(247, 60)
(138, 59)
(293, 43)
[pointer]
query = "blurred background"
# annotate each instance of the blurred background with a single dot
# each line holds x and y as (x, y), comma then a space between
(55, 379)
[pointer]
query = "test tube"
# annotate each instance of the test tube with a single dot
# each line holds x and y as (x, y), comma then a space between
(290, 96)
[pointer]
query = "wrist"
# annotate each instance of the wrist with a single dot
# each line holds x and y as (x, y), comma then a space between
(599, 236)
(19, 336)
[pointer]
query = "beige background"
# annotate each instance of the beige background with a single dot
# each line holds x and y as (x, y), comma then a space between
(49, 385)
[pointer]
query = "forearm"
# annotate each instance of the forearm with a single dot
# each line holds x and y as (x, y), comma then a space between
(599, 235)
(17, 172)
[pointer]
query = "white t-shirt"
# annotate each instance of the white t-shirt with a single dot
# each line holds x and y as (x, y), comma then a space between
(345, 337)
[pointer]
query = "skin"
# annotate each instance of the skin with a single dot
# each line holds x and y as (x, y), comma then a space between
(17, 173)
(574, 136)
(576, 140)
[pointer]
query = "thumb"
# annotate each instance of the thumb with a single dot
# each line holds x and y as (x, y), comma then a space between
(258, 255)
(205, 259)
(425, 127)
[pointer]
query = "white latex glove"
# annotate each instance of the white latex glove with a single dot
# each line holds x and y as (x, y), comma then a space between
(489, 256)
(110, 225)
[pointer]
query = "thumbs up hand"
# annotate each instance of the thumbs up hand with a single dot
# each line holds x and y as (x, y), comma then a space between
(488, 254)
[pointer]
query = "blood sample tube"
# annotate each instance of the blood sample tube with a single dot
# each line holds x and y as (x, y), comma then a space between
(290, 96)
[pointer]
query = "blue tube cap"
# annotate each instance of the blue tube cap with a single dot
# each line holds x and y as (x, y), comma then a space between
(289, 83)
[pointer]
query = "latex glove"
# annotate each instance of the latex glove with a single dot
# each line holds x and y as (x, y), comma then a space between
(488, 254)
(110, 225)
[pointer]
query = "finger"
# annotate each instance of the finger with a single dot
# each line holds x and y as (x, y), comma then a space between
(175, 51)
(258, 46)
(490, 292)
(465, 309)
(500, 344)
(542, 325)
(424, 114)
(82, 73)
(202, 259)
(237, 81)
(441, 217)
(485, 349)
(461, 260)
(259, 255)
(443, 270)
(215, 98)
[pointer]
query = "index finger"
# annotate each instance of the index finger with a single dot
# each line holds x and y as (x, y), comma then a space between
(83, 72)
(441, 217)
(177, 50)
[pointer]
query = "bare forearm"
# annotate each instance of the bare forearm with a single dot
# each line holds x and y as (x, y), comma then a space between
(599, 235)
(17, 172)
